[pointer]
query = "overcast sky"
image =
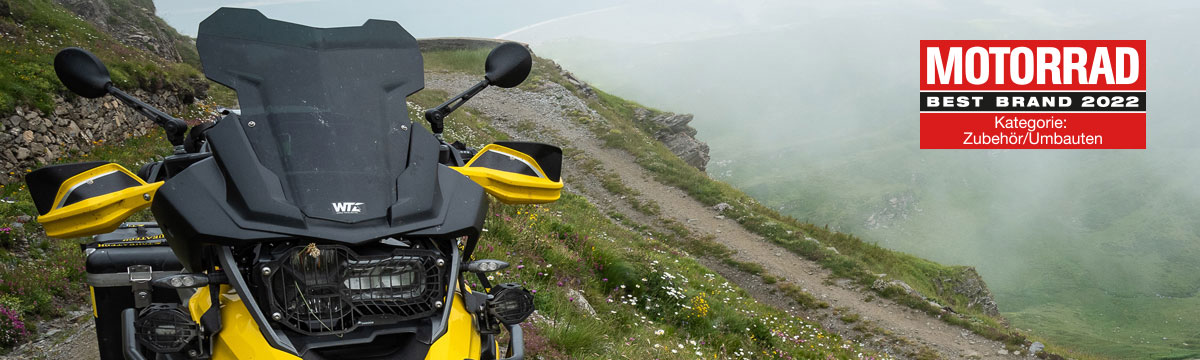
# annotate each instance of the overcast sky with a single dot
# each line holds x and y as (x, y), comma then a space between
(474, 18)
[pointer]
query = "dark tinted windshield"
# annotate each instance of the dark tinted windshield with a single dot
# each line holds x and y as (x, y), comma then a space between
(324, 109)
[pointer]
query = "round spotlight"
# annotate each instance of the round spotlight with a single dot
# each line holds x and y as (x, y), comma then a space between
(510, 303)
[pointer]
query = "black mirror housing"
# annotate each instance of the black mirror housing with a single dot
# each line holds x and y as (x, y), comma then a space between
(83, 73)
(508, 65)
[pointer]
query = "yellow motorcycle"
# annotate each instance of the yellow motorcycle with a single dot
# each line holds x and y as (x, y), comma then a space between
(318, 222)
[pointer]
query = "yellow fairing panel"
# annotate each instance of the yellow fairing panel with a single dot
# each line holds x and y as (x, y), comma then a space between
(99, 214)
(461, 340)
(240, 338)
(510, 187)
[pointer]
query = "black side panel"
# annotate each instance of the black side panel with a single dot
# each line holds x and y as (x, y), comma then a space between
(414, 200)
(43, 183)
(191, 208)
(549, 157)
(258, 190)
(466, 206)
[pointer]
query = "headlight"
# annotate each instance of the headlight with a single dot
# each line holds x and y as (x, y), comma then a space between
(397, 277)
(331, 289)
(165, 328)
(510, 303)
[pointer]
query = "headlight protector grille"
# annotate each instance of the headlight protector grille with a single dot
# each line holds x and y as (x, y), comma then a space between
(331, 289)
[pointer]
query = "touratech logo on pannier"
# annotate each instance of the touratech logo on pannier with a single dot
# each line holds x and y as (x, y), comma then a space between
(346, 208)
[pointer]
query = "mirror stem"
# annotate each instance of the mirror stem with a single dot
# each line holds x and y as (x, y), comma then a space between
(174, 127)
(436, 116)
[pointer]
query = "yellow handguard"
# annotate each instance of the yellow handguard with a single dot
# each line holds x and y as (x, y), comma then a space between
(513, 177)
(96, 201)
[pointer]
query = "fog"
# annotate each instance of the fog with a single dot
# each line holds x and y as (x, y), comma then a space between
(812, 107)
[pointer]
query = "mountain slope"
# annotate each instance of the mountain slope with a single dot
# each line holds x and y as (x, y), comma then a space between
(608, 148)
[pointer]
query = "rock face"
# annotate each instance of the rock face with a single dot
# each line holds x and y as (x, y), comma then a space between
(970, 285)
(673, 131)
(966, 282)
(30, 138)
(133, 23)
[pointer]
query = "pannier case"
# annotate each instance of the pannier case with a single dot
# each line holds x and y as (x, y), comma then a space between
(119, 265)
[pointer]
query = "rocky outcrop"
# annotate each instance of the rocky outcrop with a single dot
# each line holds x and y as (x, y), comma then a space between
(673, 131)
(133, 23)
(967, 283)
(30, 138)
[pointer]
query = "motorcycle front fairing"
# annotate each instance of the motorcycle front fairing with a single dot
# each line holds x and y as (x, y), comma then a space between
(322, 153)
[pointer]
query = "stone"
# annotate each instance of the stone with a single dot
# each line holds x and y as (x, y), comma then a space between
(970, 285)
(1001, 352)
(674, 132)
(580, 301)
(73, 129)
(27, 136)
(22, 154)
(1036, 347)
(721, 207)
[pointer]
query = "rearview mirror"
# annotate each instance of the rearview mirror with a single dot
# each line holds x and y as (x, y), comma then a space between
(508, 65)
(82, 72)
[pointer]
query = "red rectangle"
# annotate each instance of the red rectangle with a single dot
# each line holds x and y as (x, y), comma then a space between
(1115, 130)
(1089, 48)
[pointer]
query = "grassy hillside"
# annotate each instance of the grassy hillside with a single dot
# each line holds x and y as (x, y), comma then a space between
(650, 298)
(853, 259)
(32, 31)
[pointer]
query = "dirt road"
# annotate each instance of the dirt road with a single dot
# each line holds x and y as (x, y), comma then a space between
(548, 109)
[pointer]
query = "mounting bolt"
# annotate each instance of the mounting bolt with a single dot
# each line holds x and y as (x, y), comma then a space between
(438, 304)
(441, 262)
(146, 197)
(193, 353)
(251, 123)
(403, 127)
(266, 271)
(276, 316)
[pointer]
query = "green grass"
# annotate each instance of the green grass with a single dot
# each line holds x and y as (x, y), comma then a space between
(459, 61)
(637, 286)
(37, 29)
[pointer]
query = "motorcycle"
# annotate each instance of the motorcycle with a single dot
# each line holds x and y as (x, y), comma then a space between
(319, 222)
